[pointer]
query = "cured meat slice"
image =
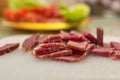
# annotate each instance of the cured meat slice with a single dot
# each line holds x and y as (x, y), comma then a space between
(100, 34)
(106, 52)
(78, 46)
(50, 39)
(31, 42)
(61, 53)
(90, 47)
(56, 54)
(115, 45)
(72, 58)
(49, 48)
(116, 55)
(8, 48)
(90, 37)
(73, 36)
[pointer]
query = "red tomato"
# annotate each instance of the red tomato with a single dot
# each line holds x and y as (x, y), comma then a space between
(21, 14)
(31, 17)
(41, 18)
(9, 15)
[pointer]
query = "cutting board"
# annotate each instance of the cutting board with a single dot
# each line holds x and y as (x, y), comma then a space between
(20, 65)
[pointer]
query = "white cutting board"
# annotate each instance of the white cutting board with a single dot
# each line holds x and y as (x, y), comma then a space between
(19, 65)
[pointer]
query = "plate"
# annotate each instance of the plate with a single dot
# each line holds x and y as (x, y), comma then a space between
(20, 65)
(42, 26)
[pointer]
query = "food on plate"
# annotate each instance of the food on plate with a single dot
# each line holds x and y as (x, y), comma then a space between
(100, 34)
(7, 48)
(34, 12)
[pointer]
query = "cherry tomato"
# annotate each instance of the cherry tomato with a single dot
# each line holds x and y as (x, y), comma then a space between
(9, 15)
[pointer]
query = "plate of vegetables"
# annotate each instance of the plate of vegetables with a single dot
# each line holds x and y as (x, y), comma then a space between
(35, 16)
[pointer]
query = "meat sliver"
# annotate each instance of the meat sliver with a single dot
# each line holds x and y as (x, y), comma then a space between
(106, 52)
(48, 48)
(71, 58)
(115, 45)
(90, 47)
(100, 34)
(78, 46)
(50, 39)
(31, 42)
(116, 55)
(8, 48)
(90, 37)
(55, 54)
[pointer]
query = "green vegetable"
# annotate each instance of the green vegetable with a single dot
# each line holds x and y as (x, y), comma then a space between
(18, 4)
(76, 13)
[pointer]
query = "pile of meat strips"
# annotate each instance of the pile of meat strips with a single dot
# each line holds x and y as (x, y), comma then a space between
(67, 46)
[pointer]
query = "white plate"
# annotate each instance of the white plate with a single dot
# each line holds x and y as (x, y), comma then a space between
(19, 65)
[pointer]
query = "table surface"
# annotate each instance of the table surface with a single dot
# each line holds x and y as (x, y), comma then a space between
(109, 22)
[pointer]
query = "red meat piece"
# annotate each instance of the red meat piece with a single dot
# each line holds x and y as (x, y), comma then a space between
(49, 48)
(100, 34)
(78, 46)
(55, 54)
(50, 39)
(31, 42)
(116, 55)
(72, 58)
(90, 47)
(115, 45)
(8, 48)
(106, 52)
(90, 37)
(73, 36)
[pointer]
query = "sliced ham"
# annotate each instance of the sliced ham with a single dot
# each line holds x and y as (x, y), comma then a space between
(48, 48)
(105, 52)
(90, 47)
(115, 45)
(116, 55)
(72, 58)
(73, 36)
(78, 46)
(55, 54)
(8, 48)
(100, 34)
(50, 39)
(90, 37)
(31, 42)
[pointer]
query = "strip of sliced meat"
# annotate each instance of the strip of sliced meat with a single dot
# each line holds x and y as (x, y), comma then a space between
(78, 46)
(55, 54)
(8, 48)
(90, 37)
(72, 58)
(48, 48)
(73, 36)
(90, 47)
(31, 42)
(50, 39)
(100, 34)
(115, 45)
(116, 55)
(106, 52)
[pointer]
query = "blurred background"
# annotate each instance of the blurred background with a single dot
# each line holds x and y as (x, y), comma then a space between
(55, 15)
